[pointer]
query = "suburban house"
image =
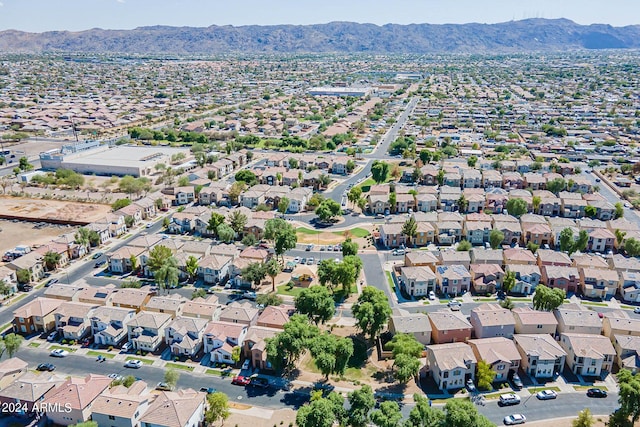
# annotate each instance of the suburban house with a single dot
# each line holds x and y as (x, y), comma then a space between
(416, 324)
(275, 316)
(97, 295)
(220, 338)
(254, 345)
(421, 259)
(627, 352)
(618, 322)
(565, 278)
(449, 326)
(200, 308)
(214, 268)
(184, 336)
(72, 402)
(452, 257)
(486, 278)
(599, 282)
(120, 260)
(500, 353)
(630, 286)
(32, 262)
(589, 355)
(486, 256)
(131, 298)
(10, 370)
(451, 365)
(243, 313)
(63, 292)
(29, 389)
(182, 408)
(548, 257)
(109, 325)
(601, 240)
(36, 316)
(122, 406)
(146, 330)
(453, 279)
(573, 318)
(542, 356)
(491, 320)
(530, 321)
(170, 304)
(527, 277)
(391, 235)
(417, 281)
(72, 319)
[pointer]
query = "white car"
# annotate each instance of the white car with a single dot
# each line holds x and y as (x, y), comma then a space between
(508, 399)
(636, 310)
(135, 364)
(514, 419)
(432, 295)
(52, 336)
(296, 260)
(546, 395)
(454, 305)
(116, 377)
(59, 353)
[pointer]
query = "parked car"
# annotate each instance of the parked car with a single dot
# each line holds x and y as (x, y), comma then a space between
(454, 305)
(46, 367)
(516, 381)
(99, 264)
(310, 261)
(134, 364)
(636, 310)
(470, 386)
(164, 387)
(250, 295)
(398, 252)
(59, 353)
(260, 382)
(514, 419)
(240, 380)
(596, 392)
(25, 288)
(296, 260)
(303, 261)
(546, 395)
(97, 255)
(50, 282)
(309, 247)
(127, 347)
(508, 399)
(246, 364)
(116, 377)
(52, 336)
(208, 390)
(432, 295)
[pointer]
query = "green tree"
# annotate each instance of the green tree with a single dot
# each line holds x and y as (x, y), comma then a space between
(371, 311)
(51, 260)
(282, 234)
(405, 344)
(620, 236)
(556, 185)
(463, 246)
(585, 419)
(423, 414)
(405, 367)
(410, 229)
(247, 177)
(237, 221)
(214, 222)
(425, 156)
(566, 240)
(133, 260)
(331, 353)
(120, 203)
(283, 205)
(287, 346)
(590, 211)
(485, 375)
(217, 408)
(249, 240)
(440, 177)
(516, 207)
(163, 266)
(354, 194)
(392, 201)
(619, 213)
(582, 241)
(535, 202)
(349, 247)
(388, 415)
(533, 247)
(463, 413)
(191, 267)
(317, 413)
(361, 402)
(225, 233)
(496, 237)
(316, 303)
(235, 354)
(629, 396)
(24, 164)
(254, 273)
(23, 275)
(462, 203)
(328, 210)
(199, 293)
(273, 268)
(509, 281)
(507, 304)
(632, 246)
(269, 299)
(131, 283)
(82, 237)
(548, 299)
(12, 343)
(379, 171)
(171, 377)
(471, 161)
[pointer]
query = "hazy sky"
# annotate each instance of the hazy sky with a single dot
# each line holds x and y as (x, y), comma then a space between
(74, 15)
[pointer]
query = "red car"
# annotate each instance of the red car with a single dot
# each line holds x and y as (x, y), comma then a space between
(240, 380)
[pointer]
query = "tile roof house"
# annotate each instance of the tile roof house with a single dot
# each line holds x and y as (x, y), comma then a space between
(542, 356)
(36, 316)
(451, 257)
(519, 256)
(420, 259)
(242, 313)
(10, 370)
(417, 281)
(565, 278)
(500, 353)
(97, 295)
(530, 321)
(73, 319)
(575, 319)
(416, 324)
(109, 325)
(146, 330)
(63, 292)
(29, 389)
(601, 240)
(172, 304)
(214, 268)
(527, 277)
(275, 316)
(589, 355)
(485, 278)
(451, 365)
(131, 297)
(486, 256)
(618, 322)
(221, 337)
(627, 352)
(254, 345)
(630, 286)
(491, 320)
(598, 282)
(554, 258)
(122, 406)
(201, 308)
(449, 326)
(453, 279)
(72, 401)
(184, 335)
(176, 409)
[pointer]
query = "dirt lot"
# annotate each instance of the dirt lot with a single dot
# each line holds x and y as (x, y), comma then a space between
(52, 209)
(23, 233)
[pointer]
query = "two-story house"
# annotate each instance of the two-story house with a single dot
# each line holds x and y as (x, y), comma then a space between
(574, 318)
(37, 315)
(214, 268)
(588, 355)
(219, 339)
(449, 326)
(565, 278)
(184, 335)
(500, 353)
(185, 407)
(453, 279)
(598, 282)
(541, 355)
(109, 325)
(72, 402)
(491, 320)
(416, 324)
(530, 321)
(418, 281)
(122, 406)
(451, 365)
(73, 319)
(146, 330)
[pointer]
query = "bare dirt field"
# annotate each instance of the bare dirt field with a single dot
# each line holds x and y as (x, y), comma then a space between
(53, 209)
(23, 233)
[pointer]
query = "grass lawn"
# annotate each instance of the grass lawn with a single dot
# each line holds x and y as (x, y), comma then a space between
(303, 230)
(293, 292)
(586, 387)
(359, 232)
(366, 185)
(145, 361)
(534, 390)
(493, 395)
(34, 344)
(627, 307)
(390, 280)
(6, 326)
(216, 372)
(60, 347)
(179, 366)
(100, 353)
(15, 300)
(484, 299)
(597, 304)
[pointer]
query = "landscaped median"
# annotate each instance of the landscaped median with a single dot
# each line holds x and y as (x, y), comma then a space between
(61, 347)
(171, 365)
(141, 359)
(100, 353)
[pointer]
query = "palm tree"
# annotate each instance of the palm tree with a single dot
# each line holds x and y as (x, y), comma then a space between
(273, 268)
(536, 203)
(82, 237)
(51, 260)
(191, 266)
(324, 180)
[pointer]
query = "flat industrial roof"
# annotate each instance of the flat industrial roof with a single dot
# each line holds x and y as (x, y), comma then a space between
(126, 155)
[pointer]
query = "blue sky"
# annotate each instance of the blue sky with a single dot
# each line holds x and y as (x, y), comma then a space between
(75, 15)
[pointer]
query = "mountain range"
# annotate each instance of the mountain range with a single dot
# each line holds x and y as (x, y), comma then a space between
(529, 35)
